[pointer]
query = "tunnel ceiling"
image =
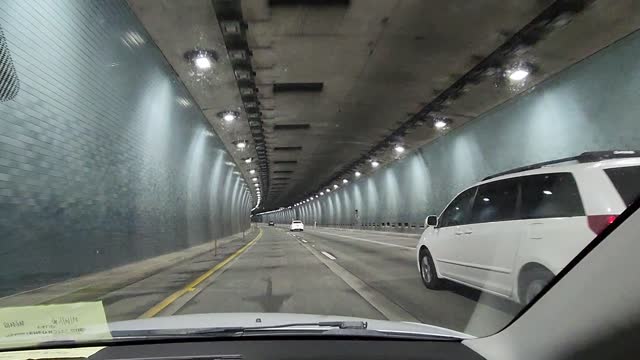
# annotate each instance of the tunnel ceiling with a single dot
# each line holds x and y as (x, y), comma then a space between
(337, 83)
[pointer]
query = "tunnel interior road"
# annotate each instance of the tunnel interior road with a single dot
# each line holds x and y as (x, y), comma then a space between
(286, 272)
(440, 162)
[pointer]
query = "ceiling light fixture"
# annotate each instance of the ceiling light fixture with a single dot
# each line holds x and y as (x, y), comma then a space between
(328, 190)
(255, 179)
(335, 186)
(202, 62)
(357, 173)
(256, 185)
(375, 164)
(518, 74)
(248, 160)
(241, 145)
(344, 181)
(228, 116)
(252, 171)
(321, 193)
(399, 149)
(201, 59)
(440, 124)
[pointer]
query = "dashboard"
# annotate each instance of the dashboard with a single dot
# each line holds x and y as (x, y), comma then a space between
(290, 349)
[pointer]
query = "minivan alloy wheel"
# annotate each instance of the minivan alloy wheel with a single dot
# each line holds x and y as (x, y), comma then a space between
(428, 271)
(425, 270)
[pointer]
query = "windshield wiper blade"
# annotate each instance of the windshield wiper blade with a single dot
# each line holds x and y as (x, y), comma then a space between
(353, 325)
(237, 330)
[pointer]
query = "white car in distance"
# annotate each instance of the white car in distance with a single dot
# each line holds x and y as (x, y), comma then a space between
(296, 225)
(510, 234)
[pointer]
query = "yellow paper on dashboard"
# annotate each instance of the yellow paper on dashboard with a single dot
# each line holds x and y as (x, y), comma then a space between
(31, 325)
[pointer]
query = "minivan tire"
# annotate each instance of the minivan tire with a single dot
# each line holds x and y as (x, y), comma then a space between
(428, 272)
(535, 280)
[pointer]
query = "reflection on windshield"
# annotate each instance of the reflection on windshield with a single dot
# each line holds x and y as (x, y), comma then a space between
(359, 165)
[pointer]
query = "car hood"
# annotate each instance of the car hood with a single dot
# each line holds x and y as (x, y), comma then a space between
(221, 320)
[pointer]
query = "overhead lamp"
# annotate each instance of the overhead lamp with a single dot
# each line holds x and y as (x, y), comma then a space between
(335, 186)
(328, 190)
(316, 196)
(256, 185)
(255, 179)
(201, 59)
(241, 145)
(252, 171)
(399, 149)
(228, 116)
(202, 62)
(357, 174)
(375, 164)
(518, 74)
(344, 181)
(440, 124)
(321, 193)
(248, 160)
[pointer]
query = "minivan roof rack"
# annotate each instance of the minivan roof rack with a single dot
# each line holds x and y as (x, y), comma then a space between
(585, 157)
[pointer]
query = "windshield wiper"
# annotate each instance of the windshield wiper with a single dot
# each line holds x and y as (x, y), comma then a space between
(328, 328)
(352, 325)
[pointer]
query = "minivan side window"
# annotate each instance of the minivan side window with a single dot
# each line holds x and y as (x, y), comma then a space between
(496, 201)
(457, 213)
(550, 195)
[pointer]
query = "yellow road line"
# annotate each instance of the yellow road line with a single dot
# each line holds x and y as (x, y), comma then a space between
(192, 285)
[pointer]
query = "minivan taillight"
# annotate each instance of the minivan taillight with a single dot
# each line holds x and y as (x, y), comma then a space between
(597, 223)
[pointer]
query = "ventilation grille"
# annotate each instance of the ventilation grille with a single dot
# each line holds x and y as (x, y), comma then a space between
(294, 87)
(291, 127)
(285, 162)
(9, 84)
(309, 2)
(287, 148)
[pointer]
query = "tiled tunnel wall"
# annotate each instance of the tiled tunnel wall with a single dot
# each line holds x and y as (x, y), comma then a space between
(591, 106)
(104, 159)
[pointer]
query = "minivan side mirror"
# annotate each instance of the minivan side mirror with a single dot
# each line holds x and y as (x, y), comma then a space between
(431, 220)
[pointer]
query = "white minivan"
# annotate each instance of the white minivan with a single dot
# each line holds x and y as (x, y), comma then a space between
(510, 234)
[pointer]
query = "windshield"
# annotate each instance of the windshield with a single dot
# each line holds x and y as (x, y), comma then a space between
(155, 155)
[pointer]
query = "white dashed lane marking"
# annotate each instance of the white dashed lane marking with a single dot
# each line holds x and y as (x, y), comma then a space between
(328, 255)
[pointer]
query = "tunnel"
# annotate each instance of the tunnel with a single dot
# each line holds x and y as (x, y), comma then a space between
(154, 150)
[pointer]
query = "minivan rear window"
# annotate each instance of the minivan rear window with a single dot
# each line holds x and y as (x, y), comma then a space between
(550, 195)
(627, 181)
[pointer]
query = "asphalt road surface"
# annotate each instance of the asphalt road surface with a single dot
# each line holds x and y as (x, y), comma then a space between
(337, 272)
